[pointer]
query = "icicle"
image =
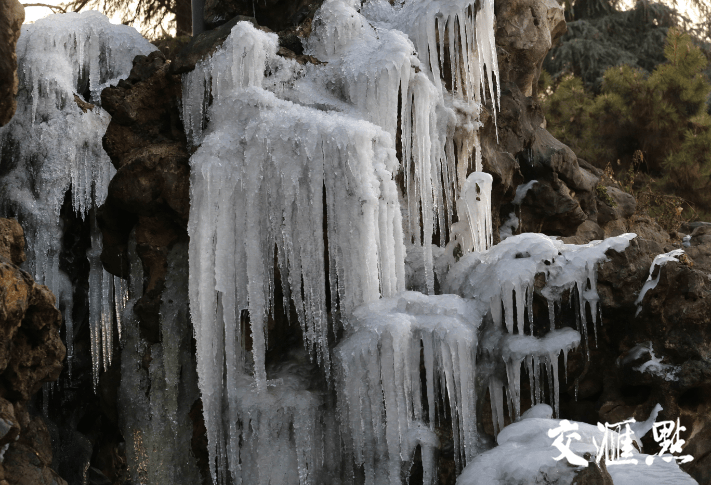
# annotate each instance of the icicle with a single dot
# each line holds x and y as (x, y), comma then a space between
(496, 395)
(383, 332)
(58, 148)
(542, 353)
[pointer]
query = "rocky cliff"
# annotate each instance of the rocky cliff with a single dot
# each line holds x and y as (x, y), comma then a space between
(31, 353)
(647, 353)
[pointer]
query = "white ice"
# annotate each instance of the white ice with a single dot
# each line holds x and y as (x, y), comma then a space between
(384, 410)
(651, 283)
(528, 441)
(52, 147)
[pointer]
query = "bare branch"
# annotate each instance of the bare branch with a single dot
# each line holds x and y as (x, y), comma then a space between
(80, 5)
(53, 7)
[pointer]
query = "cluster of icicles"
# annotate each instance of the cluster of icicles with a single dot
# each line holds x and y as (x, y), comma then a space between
(296, 168)
(52, 146)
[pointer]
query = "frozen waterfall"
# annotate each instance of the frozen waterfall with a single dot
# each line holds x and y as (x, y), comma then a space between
(53, 146)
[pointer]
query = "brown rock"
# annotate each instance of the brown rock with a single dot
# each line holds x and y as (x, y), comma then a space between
(147, 145)
(28, 461)
(528, 29)
(33, 352)
(12, 14)
(12, 241)
(586, 232)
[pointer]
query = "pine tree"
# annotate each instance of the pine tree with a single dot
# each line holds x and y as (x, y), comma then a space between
(600, 36)
(659, 119)
(146, 16)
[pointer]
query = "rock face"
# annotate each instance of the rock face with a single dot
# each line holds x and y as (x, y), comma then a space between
(150, 190)
(276, 14)
(570, 198)
(12, 14)
(31, 353)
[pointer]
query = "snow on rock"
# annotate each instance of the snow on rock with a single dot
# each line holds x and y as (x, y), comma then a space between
(381, 401)
(509, 270)
(529, 441)
(653, 364)
(53, 146)
(651, 283)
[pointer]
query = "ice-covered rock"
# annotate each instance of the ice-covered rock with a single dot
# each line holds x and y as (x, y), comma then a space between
(538, 460)
(384, 410)
(510, 268)
(656, 266)
(53, 146)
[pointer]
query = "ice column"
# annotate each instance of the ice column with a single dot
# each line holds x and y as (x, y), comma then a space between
(53, 145)
(278, 183)
(384, 411)
(474, 232)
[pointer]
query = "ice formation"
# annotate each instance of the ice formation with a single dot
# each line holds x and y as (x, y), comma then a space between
(651, 283)
(381, 401)
(512, 223)
(294, 170)
(310, 190)
(53, 146)
(528, 440)
(155, 401)
(510, 268)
